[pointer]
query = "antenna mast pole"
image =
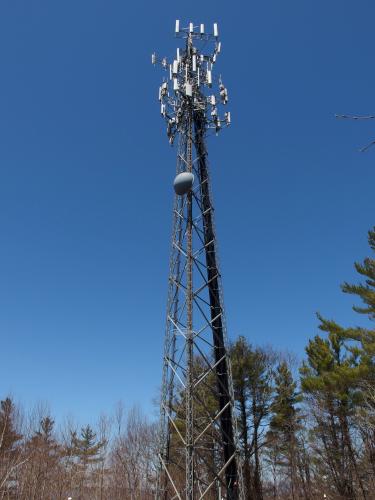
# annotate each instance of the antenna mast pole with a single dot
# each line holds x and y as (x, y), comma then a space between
(198, 435)
(189, 304)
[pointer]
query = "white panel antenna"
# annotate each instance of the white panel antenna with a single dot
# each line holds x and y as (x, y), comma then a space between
(191, 76)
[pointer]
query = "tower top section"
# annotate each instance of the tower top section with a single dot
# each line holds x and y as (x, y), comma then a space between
(190, 86)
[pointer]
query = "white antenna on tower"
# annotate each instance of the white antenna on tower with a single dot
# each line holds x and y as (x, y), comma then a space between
(191, 76)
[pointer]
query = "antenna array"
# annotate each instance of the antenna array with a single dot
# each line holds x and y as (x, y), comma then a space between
(190, 80)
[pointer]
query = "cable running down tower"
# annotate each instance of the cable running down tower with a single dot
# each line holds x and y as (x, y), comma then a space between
(198, 438)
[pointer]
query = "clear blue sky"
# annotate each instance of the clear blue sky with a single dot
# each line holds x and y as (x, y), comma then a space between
(86, 184)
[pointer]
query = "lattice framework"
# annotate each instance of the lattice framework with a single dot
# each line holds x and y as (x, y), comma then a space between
(198, 436)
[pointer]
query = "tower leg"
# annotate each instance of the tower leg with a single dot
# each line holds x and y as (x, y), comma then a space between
(216, 317)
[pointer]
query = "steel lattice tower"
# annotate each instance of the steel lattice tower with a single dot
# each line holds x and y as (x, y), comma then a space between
(198, 437)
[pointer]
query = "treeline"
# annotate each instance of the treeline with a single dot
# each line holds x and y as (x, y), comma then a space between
(306, 432)
(38, 461)
(313, 436)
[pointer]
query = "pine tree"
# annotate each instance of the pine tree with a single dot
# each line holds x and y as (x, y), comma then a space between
(282, 440)
(240, 358)
(10, 449)
(366, 292)
(335, 377)
(8, 433)
(329, 380)
(87, 449)
(362, 342)
(252, 379)
(260, 382)
(43, 467)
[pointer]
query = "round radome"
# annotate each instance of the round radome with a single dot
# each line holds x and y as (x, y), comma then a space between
(183, 183)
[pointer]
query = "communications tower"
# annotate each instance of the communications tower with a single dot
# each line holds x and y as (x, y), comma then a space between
(198, 438)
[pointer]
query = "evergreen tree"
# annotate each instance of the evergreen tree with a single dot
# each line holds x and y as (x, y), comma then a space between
(260, 383)
(362, 341)
(282, 439)
(366, 292)
(43, 467)
(86, 447)
(87, 450)
(10, 449)
(240, 358)
(9, 436)
(338, 371)
(252, 379)
(329, 379)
